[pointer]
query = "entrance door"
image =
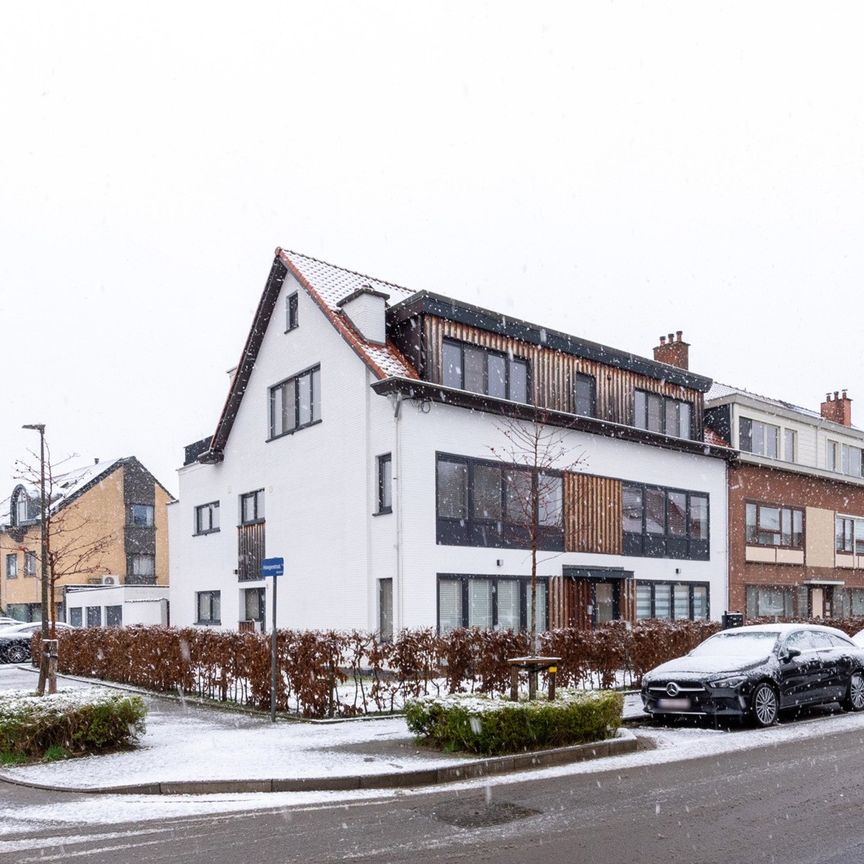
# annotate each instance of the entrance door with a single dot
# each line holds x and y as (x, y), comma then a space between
(585, 597)
(605, 602)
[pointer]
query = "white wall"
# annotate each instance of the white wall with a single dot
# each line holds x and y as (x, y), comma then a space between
(142, 604)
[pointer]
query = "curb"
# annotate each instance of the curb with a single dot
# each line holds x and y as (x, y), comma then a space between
(624, 743)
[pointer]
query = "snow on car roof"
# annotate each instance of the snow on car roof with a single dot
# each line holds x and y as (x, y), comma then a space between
(782, 627)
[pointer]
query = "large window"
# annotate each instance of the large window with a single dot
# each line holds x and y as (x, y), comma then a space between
(773, 601)
(94, 616)
(491, 603)
(470, 367)
(763, 439)
(790, 438)
(849, 534)
(207, 518)
(12, 566)
(585, 395)
(76, 616)
(385, 484)
(658, 413)
(113, 616)
(29, 563)
(481, 503)
(672, 600)
(295, 403)
(141, 515)
(209, 607)
(665, 523)
(843, 458)
(770, 525)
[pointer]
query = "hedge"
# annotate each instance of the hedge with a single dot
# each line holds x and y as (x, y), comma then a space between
(72, 722)
(335, 673)
(493, 726)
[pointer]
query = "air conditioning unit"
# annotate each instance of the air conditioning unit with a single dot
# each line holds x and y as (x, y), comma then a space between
(109, 580)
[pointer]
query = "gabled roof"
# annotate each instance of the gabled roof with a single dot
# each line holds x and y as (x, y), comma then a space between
(72, 484)
(326, 285)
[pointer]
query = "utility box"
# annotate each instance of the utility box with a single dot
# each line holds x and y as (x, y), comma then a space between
(732, 619)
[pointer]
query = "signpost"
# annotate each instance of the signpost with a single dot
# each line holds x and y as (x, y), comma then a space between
(274, 567)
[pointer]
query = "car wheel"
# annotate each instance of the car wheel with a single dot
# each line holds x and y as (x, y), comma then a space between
(17, 654)
(764, 705)
(854, 700)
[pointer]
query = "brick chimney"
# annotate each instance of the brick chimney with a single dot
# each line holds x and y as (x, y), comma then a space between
(673, 350)
(838, 409)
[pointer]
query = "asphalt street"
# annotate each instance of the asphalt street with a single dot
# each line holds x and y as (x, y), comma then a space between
(798, 802)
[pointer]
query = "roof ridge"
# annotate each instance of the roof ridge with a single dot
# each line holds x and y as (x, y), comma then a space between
(347, 270)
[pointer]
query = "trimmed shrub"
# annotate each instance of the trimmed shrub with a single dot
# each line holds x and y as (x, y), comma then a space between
(492, 726)
(76, 722)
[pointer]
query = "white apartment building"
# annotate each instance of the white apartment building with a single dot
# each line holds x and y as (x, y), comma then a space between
(364, 440)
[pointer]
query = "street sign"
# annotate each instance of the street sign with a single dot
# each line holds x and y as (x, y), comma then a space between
(273, 567)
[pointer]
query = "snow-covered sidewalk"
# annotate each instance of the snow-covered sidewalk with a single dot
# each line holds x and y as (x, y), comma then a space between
(187, 742)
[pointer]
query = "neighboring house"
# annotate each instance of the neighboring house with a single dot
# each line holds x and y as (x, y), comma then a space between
(116, 605)
(796, 504)
(108, 526)
(355, 443)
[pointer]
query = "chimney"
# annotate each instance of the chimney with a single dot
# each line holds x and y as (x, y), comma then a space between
(366, 309)
(838, 408)
(673, 350)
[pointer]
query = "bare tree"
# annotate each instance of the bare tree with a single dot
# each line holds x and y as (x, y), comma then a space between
(538, 454)
(75, 543)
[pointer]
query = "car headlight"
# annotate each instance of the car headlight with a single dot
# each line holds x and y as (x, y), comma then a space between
(730, 683)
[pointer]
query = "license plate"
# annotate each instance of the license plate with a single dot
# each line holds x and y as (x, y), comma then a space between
(673, 704)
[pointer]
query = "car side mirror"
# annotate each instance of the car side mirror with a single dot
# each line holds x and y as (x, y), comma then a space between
(791, 653)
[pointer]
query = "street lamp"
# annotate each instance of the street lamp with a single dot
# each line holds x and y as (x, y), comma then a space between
(40, 428)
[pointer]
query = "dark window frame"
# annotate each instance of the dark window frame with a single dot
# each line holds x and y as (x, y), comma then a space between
(313, 373)
(97, 616)
(471, 530)
(12, 573)
(209, 508)
(210, 595)
(79, 616)
(256, 495)
(642, 422)
(30, 564)
(681, 547)
(292, 312)
(759, 530)
(149, 509)
(384, 464)
(652, 583)
(114, 615)
(524, 597)
(508, 360)
(788, 591)
(141, 578)
(591, 380)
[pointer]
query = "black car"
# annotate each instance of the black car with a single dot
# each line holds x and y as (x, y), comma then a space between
(757, 672)
(16, 639)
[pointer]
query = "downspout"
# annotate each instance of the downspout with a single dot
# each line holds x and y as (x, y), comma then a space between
(397, 471)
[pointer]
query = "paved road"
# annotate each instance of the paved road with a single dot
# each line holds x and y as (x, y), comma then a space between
(800, 802)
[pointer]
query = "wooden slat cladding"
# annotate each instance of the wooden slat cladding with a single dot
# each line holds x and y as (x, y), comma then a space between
(593, 515)
(250, 551)
(569, 602)
(553, 373)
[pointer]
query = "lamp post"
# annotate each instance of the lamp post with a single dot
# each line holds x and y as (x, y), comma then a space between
(40, 428)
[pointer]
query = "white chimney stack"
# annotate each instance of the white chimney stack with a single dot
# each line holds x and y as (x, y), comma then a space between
(366, 309)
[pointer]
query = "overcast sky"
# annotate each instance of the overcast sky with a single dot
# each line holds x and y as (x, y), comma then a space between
(614, 170)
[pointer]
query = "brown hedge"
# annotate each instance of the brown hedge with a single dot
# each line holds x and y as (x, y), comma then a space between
(335, 673)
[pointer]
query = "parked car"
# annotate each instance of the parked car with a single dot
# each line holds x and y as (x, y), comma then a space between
(8, 622)
(15, 640)
(755, 672)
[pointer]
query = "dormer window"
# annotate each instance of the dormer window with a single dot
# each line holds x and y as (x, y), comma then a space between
(479, 370)
(22, 513)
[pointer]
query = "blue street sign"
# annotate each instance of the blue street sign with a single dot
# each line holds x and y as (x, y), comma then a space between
(273, 567)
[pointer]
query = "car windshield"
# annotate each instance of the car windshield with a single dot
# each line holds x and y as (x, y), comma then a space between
(736, 644)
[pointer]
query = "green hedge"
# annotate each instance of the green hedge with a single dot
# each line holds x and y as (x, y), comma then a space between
(489, 726)
(73, 722)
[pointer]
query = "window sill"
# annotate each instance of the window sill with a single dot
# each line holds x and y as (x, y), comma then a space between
(292, 431)
(208, 623)
(292, 329)
(203, 533)
(383, 512)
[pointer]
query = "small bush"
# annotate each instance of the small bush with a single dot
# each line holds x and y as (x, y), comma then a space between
(71, 722)
(489, 726)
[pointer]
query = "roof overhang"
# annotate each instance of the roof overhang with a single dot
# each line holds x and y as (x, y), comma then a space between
(409, 388)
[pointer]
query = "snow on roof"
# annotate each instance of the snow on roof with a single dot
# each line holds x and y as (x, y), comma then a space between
(63, 487)
(329, 284)
(720, 391)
